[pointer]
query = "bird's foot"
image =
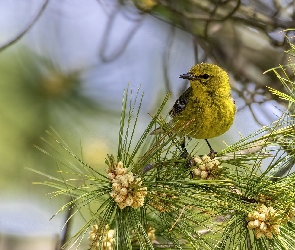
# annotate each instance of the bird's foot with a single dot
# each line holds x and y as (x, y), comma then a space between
(184, 154)
(212, 152)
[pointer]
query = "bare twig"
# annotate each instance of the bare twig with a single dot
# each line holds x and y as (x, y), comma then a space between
(22, 33)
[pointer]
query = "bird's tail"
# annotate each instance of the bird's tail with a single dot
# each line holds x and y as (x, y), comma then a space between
(157, 131)
(160, 130)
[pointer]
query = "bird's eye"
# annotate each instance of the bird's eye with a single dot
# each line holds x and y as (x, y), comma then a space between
(205, 76)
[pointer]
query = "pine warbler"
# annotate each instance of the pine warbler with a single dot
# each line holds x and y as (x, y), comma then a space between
(206, 109)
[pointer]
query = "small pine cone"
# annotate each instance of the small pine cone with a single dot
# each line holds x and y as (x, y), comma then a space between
(113, 194)
(254, 215)
(120, 164)
(202, 167)
(119, 198)
(116, 187)
(275, 229)
(124, 182)
(129, 177)
(263, 209)
(268, 234)
(210, 165)
(258, 234)
(124, 191)
(197, 172)
(111, 176)
(129, 200)
(262, 217)
(263, 227)
(204, 175)
(206, 158)
(121, 171)
(253, 224)
(216, 162)
(197, 160)
(122, 205)
(271, 211)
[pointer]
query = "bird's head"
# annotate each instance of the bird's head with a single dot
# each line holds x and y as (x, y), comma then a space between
(206, 77)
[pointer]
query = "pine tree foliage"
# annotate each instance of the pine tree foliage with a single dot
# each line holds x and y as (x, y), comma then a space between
(155, 194)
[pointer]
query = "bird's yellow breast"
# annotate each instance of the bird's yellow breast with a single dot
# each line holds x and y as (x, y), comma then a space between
(206, 116)
(206, 109)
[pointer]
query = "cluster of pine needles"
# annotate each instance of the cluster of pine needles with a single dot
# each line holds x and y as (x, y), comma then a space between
(153, 196)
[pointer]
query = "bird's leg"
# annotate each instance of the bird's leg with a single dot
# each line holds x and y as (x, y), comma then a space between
(184, 153)
(212, 152)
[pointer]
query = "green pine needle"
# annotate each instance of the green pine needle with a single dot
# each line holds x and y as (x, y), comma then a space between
(178, 209)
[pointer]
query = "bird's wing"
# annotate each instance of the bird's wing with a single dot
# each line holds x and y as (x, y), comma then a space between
(181, 102)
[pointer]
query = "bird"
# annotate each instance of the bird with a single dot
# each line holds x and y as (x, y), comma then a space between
(206, 109)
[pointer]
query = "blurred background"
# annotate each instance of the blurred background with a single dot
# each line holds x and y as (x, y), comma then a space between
(65, 65)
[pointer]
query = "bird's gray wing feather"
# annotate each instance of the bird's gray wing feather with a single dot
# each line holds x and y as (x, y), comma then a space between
(181, 103)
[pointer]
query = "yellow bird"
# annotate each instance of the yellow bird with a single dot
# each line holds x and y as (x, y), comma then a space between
(206, 109)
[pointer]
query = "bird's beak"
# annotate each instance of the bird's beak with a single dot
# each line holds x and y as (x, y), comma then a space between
(187, 76)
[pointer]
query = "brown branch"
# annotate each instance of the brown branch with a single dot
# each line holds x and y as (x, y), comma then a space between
(21, 34)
